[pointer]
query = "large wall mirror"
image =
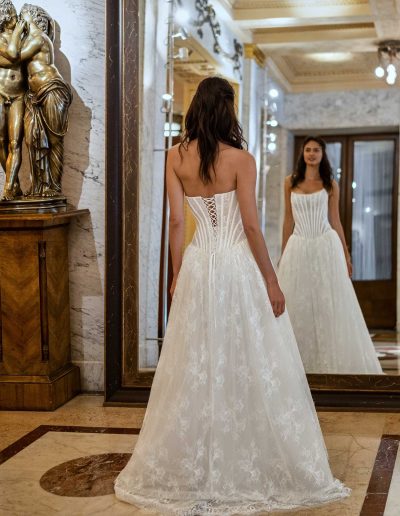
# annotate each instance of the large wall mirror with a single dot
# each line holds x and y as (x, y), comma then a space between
(290, 80)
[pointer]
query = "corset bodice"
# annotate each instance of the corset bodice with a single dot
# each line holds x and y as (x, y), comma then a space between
(310, 213)
(218, 221)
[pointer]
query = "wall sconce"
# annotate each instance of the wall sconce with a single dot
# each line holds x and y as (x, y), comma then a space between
(166, 103)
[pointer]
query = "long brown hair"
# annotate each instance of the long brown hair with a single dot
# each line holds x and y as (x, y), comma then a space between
(325, 169)
(211, 118)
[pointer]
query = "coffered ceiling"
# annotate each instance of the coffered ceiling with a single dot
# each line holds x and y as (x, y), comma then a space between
(319, 44)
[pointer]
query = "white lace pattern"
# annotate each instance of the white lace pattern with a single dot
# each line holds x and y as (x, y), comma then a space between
(330, 329)
(230, 425)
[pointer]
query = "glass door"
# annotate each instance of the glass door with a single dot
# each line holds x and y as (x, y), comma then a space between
(373, 238)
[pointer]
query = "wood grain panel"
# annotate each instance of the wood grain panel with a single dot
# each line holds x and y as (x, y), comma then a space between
(36, 371)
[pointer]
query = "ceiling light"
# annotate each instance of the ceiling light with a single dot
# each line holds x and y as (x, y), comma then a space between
(183, 53)
(273, 93)
(389, 59)
(391, 79)
(183, 34)
(331, 57)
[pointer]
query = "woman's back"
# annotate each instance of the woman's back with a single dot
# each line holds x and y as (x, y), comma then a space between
(186, 164)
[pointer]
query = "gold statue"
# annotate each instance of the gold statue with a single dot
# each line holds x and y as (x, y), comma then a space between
(46, 101)
(12, 105)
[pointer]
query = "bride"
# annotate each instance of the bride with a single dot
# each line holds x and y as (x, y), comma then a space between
(315, 270)
(230, 425)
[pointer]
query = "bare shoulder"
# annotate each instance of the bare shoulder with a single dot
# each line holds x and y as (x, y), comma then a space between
(173, 152)
(288, 182)
(243, 158)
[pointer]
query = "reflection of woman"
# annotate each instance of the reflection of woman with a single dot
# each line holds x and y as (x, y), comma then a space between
(230, 426)
(314, 272)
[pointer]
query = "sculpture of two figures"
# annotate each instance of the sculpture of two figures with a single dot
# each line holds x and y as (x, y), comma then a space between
(34, 102)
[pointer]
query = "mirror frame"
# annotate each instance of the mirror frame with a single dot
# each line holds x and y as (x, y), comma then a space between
(332, 392)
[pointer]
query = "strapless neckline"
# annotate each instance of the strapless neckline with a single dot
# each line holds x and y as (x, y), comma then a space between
(209, 196)
(312, 193)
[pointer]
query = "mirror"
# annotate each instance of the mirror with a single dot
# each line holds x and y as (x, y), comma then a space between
(300, 75)
(295, 72)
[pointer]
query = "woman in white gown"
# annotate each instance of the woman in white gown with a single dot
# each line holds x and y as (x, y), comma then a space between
(230, 425)
(315, 271)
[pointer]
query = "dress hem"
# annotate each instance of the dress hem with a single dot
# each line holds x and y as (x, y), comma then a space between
(221, 507)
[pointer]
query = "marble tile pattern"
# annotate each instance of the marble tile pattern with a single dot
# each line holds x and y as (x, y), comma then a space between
(352, 439)
(79, 55)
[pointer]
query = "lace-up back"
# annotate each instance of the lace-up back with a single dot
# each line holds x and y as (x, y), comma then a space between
(218, 221)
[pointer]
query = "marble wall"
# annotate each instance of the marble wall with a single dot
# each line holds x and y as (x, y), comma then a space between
(342, 110)
(79, 55)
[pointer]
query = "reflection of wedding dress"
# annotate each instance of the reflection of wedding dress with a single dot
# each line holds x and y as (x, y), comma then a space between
(230, 426)
(330, 329)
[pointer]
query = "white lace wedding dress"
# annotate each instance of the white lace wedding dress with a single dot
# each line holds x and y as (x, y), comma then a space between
(327, 320)
(230, 425)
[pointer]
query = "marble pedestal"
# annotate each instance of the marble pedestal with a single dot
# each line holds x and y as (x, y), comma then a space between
(35, 349)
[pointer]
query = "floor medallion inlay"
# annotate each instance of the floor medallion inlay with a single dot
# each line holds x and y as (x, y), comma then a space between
(87, 476)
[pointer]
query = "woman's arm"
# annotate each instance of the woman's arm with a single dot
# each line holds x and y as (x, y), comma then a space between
(288, 223)
(246, 186)
(334, 219)
(176, 215)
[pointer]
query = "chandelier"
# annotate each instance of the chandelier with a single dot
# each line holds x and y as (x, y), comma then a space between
(389, 59)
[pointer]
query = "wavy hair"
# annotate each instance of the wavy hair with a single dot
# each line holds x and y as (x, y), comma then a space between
(211, 118)
(41, 19)
(325, 169)
(7, 11)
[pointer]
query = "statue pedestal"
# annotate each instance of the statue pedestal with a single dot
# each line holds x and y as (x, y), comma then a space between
(35, 348)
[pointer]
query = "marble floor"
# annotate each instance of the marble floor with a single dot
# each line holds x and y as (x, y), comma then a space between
(64, 462)
(387, 346)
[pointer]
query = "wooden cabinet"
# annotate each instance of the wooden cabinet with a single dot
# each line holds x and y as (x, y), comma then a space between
(35, 348)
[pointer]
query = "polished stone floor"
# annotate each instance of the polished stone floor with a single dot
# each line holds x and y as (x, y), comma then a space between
(387, 346)
(64, 462)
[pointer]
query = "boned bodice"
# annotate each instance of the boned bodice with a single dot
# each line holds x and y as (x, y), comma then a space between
(218, 221)
(310, 213)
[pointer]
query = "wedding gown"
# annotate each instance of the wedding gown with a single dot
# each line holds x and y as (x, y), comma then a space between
(230, 425)
(327, 320)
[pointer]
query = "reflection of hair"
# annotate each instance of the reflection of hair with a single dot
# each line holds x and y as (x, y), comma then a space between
(7, 11)
(41, 18)
(325, 169)
(211, 119)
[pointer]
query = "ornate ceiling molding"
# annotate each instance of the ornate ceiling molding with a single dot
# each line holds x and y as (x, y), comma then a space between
(252, 51)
